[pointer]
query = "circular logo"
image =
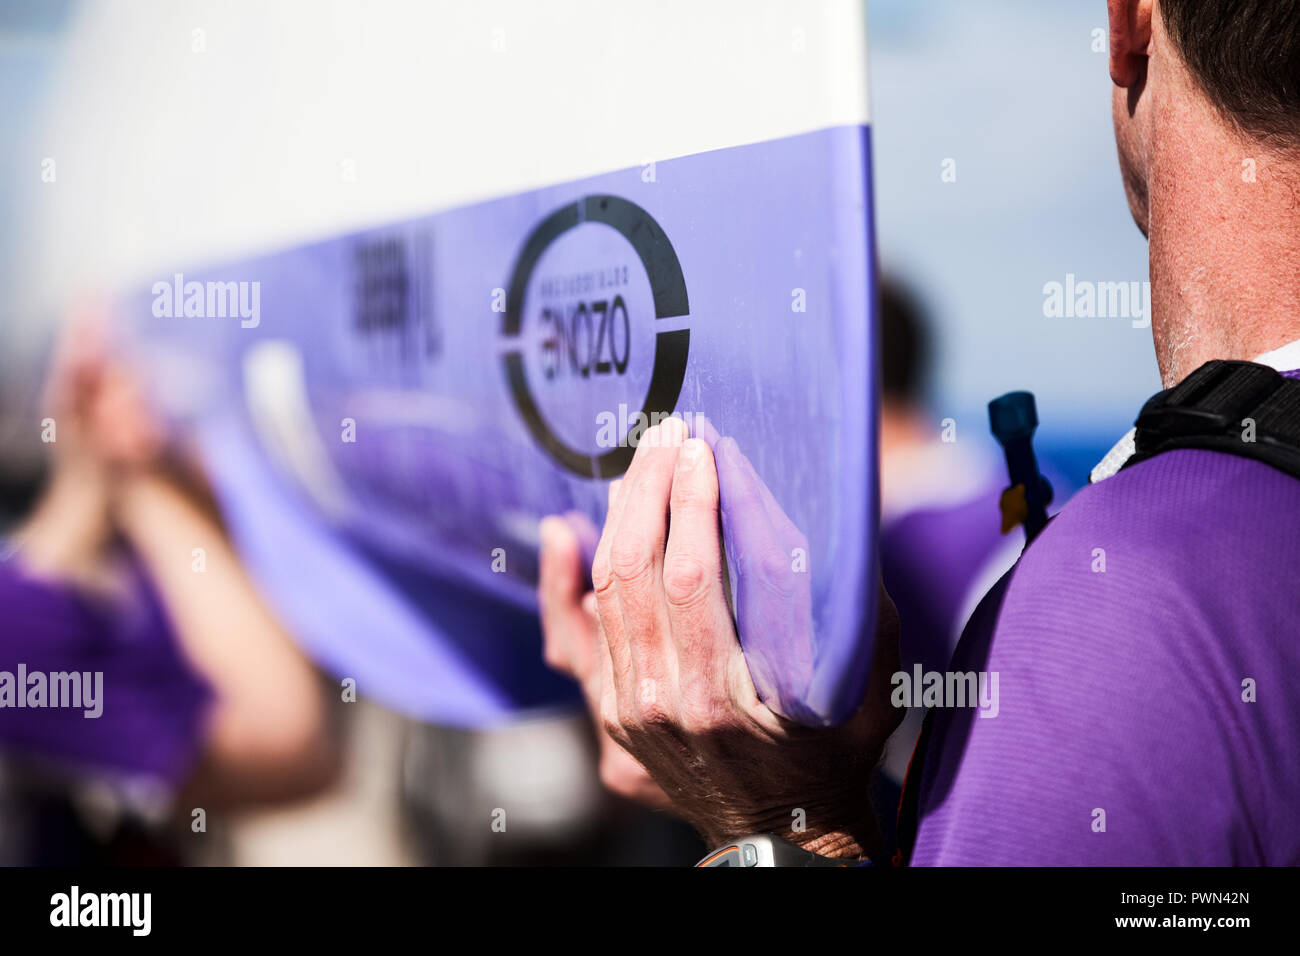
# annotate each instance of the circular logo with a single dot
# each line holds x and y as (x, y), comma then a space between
(585, 330)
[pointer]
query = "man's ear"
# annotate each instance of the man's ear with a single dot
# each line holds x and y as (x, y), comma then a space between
(1130, 39)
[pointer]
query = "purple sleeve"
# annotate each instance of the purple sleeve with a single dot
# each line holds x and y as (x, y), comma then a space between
(150, 704)
(1147, 648)
(930, 559)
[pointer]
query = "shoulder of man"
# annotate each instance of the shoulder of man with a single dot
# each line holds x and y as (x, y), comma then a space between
(1144, 648)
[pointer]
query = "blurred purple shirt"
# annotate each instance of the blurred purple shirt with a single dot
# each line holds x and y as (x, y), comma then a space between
(153, 703)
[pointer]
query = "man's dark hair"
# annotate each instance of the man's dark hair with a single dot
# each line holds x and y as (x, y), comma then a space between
(905, 342)
(1246, 55)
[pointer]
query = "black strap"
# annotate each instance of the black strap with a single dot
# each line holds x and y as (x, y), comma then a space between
(909, 803)
(1239, 408)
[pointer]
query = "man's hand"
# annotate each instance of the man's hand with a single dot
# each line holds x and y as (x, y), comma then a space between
(569, 627)
(669, 683)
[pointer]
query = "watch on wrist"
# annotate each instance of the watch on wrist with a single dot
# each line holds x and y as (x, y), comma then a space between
(763, 849)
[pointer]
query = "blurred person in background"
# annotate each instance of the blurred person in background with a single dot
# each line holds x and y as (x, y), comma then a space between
(122, 569)
(939, 516)
(940, 540)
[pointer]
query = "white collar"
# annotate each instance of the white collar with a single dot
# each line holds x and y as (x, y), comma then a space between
(1284, 359)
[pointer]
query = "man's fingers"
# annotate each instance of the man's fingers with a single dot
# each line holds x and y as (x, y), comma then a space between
(602, 577)
(636, 559)
(585, 654)
(601, 696)
(773, 585)
(702, 632)
(612, 645)
(588, 537)
(782, 526)
(559, 596)
(763, 534)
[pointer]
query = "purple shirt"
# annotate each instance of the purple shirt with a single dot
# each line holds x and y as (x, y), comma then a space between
(1121, 691)
(152, 702)
(930, 559)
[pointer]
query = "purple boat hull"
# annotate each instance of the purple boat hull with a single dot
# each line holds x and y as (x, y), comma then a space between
(418, 396)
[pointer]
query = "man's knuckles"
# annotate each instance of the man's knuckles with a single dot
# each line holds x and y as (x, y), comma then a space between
(612, 725)
(693, 492)
(688, 580)
(602, 573)
(631, 559)
(706, 717)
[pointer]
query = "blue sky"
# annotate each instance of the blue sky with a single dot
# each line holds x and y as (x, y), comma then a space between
(1013, 92)
(29, 33)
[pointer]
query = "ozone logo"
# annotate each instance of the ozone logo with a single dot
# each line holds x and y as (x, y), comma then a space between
(601, 322)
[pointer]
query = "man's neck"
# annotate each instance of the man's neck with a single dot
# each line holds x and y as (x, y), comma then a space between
(1225, 244)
